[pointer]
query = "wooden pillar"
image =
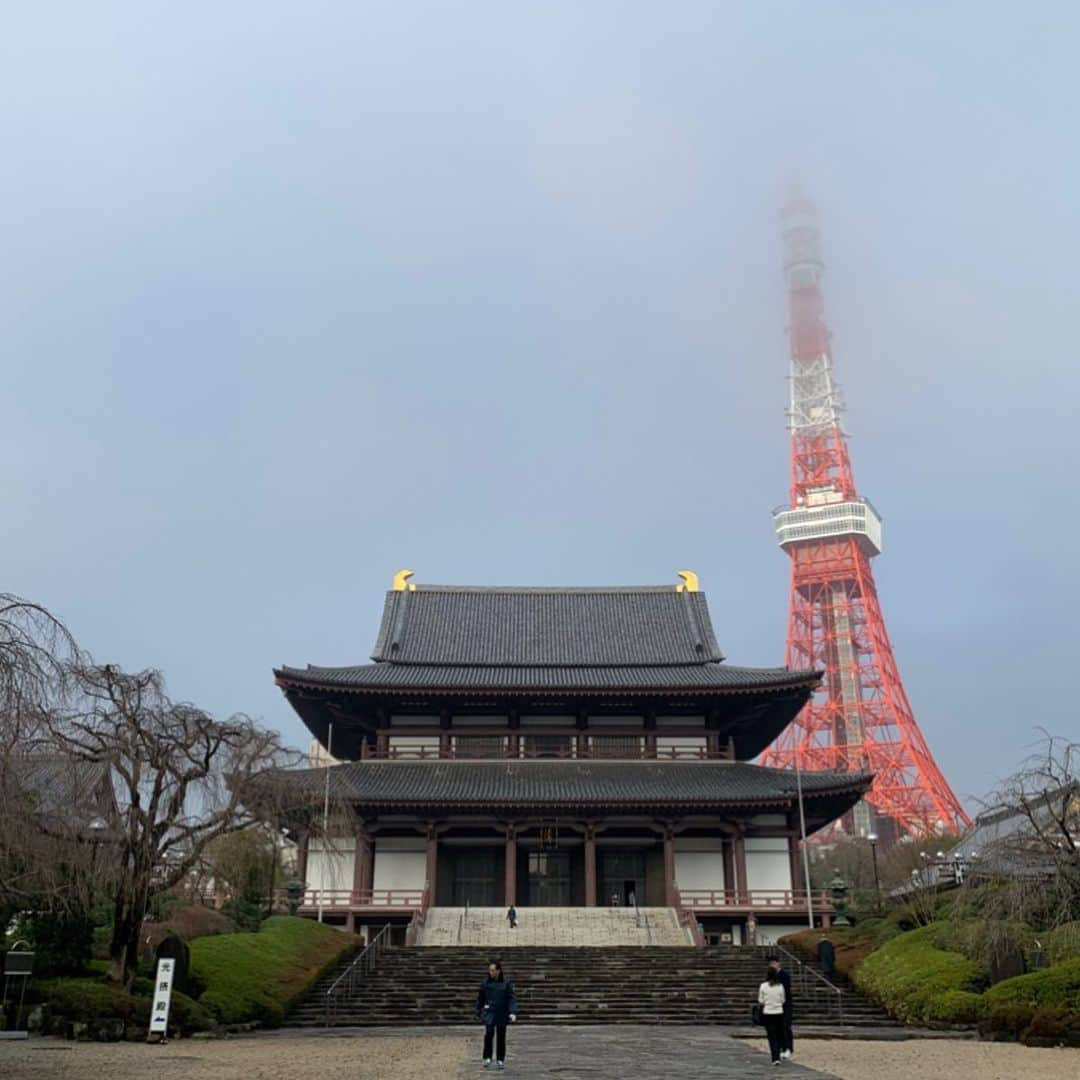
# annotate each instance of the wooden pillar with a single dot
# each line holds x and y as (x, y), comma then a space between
(740, 867)
(798, 882)
(363, 865)
(302, 856)
(511, 865)
(730, 890)
(590, 865)
(650, 734)
(669, 867)
(432, 867)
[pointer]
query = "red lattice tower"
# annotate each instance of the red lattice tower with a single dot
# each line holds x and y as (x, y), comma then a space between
(860, 719)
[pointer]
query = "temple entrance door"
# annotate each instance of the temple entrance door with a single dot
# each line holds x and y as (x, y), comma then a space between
(622, 875)
(474, 878)
(549, 879)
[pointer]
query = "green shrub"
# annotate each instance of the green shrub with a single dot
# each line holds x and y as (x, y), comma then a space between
(87, 999)
(257, 976)
(1053, 1024)
(917, 981)
(1011, 1020)
(245, 914)
(62, 943)
(1057, 987)
(953, 1007)
(188, 1015)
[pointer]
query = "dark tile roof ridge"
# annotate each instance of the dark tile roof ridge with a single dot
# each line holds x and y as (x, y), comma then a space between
(555, 589)
(807, 673)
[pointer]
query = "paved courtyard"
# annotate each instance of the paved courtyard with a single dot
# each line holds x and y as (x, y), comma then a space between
(574, 1053)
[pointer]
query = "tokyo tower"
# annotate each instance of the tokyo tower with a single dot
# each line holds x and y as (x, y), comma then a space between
(860, 719)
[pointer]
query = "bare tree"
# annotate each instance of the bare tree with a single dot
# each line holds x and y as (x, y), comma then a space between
(1032, 829)
(36, 655)
(46, 860)
(183, 779)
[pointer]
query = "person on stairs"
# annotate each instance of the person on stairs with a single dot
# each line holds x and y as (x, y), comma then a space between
(826, 954)
(771, 997)
(496, 1005)
(787, 1043)
(511, 917)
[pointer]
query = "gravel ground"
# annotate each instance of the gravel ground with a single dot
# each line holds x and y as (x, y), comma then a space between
(362, 1058)
(933, 1058)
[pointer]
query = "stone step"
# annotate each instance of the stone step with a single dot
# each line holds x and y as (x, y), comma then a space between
(574, 985)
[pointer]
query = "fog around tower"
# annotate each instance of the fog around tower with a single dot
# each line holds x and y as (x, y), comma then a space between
(296, 297)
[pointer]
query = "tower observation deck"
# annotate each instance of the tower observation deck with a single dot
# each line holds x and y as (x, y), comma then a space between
(861, 718)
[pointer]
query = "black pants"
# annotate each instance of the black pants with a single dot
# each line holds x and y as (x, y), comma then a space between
(490, 1031)
(788, 1042)
(774, 1029)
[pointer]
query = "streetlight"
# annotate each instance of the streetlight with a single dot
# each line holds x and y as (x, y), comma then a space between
(872, 837)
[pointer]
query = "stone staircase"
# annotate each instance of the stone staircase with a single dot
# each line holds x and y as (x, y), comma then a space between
(575, 985)
(553, 927)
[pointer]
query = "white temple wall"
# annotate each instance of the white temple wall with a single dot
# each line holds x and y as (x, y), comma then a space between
(331, 862)
(699, 863)
(768, 862)
(400, 863)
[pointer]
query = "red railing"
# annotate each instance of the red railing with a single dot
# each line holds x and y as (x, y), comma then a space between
(756, 899)
(421, 753)
(345, 899)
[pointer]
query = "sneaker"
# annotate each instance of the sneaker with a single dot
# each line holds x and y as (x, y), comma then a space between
(785, 1055)
(487, 1063)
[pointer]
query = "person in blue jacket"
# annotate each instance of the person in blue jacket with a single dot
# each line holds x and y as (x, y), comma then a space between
(496, 1005)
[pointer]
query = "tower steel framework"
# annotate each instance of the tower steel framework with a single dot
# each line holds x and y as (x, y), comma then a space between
(861, 718)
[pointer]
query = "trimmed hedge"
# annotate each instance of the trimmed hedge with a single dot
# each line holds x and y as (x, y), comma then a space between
(94, 1002)
(1056, 987)
(257, 976)
(917, 981)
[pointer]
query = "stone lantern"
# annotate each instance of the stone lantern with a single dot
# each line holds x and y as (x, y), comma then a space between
(838, 887)
(294, 893)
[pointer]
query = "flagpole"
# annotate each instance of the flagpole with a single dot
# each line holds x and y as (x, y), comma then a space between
(802, 831)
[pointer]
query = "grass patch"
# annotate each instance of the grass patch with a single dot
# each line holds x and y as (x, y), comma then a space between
(257, 976)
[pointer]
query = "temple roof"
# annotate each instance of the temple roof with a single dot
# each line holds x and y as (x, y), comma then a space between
(526, 627)
(565, 785)
(478, 677)
(453, 638)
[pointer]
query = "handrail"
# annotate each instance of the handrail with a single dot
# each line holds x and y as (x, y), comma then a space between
(364, 964)
(804, 969)
(687, 919)
(419, 916)
(460, 926)
(637, 910)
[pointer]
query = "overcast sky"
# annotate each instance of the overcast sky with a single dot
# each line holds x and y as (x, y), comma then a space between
(295, 295)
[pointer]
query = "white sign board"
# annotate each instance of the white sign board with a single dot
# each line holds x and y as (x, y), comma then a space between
(159, 1014)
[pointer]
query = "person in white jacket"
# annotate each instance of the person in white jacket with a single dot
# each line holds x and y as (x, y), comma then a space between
(771, 997)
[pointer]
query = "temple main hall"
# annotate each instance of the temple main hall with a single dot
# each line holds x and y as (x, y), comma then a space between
(557, 747)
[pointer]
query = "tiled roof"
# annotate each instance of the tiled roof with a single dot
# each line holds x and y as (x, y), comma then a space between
(56, 784)
(523, 627)
(562, 784)
(688, 678)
